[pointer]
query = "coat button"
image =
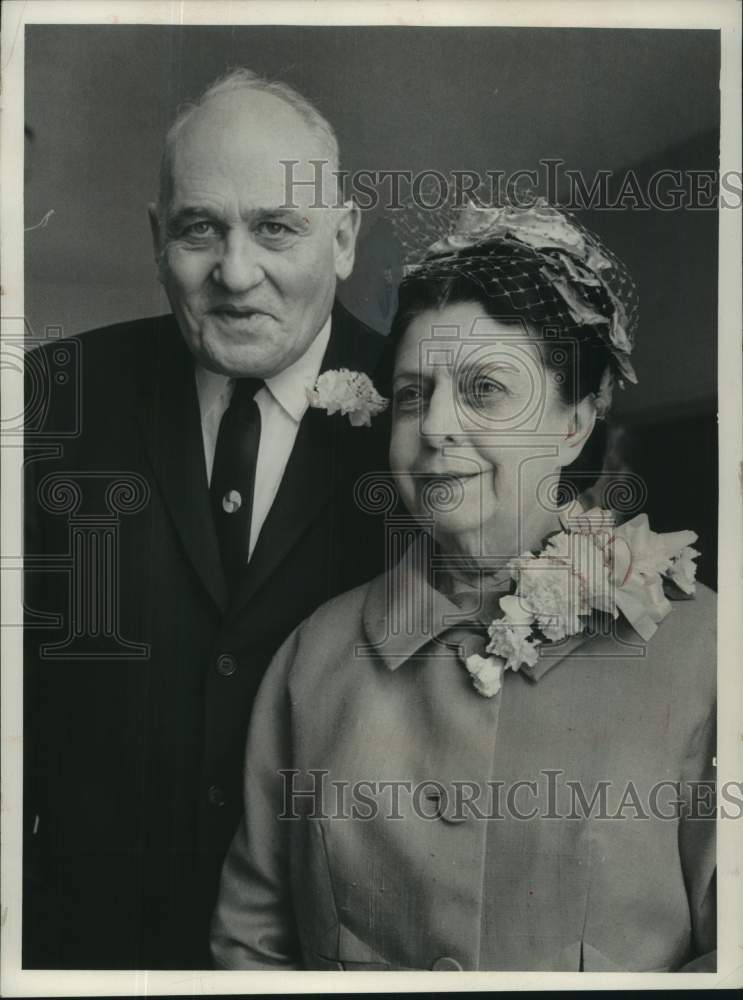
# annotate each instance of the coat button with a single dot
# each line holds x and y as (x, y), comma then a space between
(215, 795)
(446, 810)
(446, 965)
(226, 665)
(453, 817)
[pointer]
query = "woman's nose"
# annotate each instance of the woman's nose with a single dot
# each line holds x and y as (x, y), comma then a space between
(238, 269)
(441, 421)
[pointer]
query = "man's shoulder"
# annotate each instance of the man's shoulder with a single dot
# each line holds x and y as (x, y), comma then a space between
(116, 344)
(135, 339)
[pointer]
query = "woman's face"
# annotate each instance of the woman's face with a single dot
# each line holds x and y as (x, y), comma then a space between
(479, 431)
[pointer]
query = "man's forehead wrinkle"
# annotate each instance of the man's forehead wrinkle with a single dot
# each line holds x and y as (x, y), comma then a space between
(192, 197)
(255, 175)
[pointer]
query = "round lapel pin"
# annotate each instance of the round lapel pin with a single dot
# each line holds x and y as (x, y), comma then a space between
(231, 502)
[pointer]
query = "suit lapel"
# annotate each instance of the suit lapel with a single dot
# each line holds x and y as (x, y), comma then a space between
(312, 470)
(305, 489)
(169, 415)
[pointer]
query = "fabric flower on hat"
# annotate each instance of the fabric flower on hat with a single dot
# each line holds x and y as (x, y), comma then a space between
(573, 261)
(538, 225)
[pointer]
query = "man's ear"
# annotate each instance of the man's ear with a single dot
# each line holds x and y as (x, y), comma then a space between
(154, 217)
(346, 231)
(582, 422)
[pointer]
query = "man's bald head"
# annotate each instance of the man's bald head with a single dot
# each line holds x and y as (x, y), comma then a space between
(243, 98)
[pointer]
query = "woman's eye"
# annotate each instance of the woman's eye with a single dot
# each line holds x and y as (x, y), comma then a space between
(485, 387)
(483, 390)
(408, 396)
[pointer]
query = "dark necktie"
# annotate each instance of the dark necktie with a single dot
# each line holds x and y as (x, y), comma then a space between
(233, 476)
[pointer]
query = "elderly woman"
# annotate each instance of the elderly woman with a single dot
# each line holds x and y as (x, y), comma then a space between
(499, 754)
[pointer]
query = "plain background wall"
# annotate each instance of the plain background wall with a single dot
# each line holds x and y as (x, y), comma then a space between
(99, 99)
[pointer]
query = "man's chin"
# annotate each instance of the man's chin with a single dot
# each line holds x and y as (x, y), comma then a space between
(250, 357)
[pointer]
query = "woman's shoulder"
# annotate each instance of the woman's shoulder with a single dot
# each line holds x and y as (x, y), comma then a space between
(315, 646)
(331, 630)
(339, 617)
(685, 642)
(692, 622)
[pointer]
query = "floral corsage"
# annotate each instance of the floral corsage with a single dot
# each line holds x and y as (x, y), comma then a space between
(590, 566)
(347, 392)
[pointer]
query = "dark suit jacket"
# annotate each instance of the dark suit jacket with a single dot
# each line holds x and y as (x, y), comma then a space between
(137, 695)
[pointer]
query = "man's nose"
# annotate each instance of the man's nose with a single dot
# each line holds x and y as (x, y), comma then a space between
(441, 422)
(238, 268)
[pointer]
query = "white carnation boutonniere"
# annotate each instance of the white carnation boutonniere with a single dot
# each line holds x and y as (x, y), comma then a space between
(486, 673)
(347, 392)
(591, 566)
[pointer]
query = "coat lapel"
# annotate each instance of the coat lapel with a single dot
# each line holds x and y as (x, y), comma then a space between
(312, 471)
(168, 410)
(305, 489)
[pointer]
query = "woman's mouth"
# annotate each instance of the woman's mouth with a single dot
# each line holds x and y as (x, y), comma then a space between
(450, 476)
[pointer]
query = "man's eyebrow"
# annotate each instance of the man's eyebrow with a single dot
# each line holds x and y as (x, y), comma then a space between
(281, 212)
(191, 212)
(188, 212)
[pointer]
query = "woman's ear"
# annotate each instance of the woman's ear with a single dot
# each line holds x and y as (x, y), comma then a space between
(582, 422)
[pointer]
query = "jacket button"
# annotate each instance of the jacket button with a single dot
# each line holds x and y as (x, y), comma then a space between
(215, 795)
(453, 817)
(446, 965)
(445, 810)
(226, 665)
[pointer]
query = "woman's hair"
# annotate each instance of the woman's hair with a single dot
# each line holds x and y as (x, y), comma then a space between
(509, 281)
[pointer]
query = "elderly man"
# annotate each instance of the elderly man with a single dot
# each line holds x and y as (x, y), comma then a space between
(226, 514)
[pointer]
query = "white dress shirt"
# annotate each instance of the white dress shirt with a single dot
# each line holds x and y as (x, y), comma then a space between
(282, 402)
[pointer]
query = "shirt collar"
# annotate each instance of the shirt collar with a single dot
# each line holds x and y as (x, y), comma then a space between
(403, 613)
(288, 387)
(211, 388)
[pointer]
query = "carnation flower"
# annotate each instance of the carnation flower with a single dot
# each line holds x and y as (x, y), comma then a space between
(590, 566)
(512, 636)
(347, 392)
(486, 673)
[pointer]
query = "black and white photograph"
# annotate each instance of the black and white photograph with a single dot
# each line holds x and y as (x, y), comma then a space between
(371, 543)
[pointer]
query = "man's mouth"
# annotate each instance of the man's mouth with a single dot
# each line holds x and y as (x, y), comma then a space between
(237, 312)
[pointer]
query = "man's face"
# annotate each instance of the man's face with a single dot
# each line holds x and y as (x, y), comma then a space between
(250, 282)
